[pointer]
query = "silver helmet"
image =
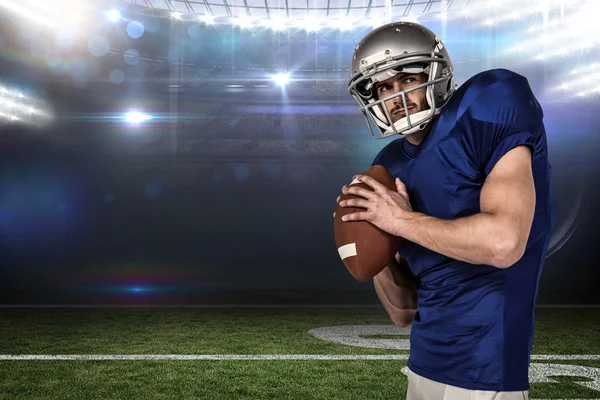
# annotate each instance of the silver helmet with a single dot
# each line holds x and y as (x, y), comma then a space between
(391, 49)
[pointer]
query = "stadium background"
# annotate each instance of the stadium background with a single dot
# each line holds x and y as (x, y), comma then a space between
(151, 155)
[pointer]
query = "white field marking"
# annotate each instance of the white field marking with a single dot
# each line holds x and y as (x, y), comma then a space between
(245, 357)
(244, 306)
(566, 357)
(543, 373)
(351, 335)
(258, 357)
(191, 306)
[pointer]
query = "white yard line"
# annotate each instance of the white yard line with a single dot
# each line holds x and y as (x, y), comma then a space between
(102, 357)
(245, 306)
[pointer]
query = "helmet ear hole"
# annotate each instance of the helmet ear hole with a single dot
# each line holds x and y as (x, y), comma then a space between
(364, 93)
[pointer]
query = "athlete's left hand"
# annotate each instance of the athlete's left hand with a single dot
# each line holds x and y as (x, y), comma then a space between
(384, 208)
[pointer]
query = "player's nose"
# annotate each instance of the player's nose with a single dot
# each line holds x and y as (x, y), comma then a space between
(398, 102)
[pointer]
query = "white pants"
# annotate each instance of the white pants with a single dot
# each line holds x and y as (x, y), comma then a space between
(421, 388)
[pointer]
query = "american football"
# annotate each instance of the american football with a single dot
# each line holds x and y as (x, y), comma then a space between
(365, 249)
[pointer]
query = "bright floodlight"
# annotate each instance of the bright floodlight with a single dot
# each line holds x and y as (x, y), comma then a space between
(281, 79)
(135, 117)
(114, 15)
(207, 18)
(28, 12)
(277, 24)
(176, 15)
(243, 21)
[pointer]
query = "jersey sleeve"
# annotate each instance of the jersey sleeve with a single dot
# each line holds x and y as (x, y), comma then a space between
(504, 115)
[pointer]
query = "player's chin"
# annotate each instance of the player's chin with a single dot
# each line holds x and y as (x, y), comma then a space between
(414, 110)
(397, 117)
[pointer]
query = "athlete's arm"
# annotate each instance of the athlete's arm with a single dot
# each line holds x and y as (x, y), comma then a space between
(497, 235)
(396, 288)
(508, 195)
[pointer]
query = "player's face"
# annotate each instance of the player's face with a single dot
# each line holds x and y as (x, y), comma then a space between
(415, 100)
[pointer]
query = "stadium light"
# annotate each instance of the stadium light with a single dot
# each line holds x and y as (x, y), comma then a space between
(135, 117)
(281, 79)
(207, 18)
(277, 24)
(243, 21)
(113, 15)
(27, 13)
(341, 24)
(309, 25)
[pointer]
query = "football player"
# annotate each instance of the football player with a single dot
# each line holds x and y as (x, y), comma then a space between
(474, 202)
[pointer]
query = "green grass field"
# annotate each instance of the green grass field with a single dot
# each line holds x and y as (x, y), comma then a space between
(230, 332)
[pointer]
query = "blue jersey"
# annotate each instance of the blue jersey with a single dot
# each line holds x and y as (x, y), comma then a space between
(474, 325)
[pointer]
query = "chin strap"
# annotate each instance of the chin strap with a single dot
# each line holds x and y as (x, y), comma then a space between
(419, 121)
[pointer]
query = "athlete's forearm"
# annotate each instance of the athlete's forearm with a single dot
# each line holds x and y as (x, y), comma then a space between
(478, 239)
(395, 287)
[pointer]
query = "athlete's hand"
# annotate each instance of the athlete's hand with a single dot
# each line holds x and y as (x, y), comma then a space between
(384, 208)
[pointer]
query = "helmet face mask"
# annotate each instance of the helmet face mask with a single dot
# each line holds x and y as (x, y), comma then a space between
(400, 48)
(376, 112)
